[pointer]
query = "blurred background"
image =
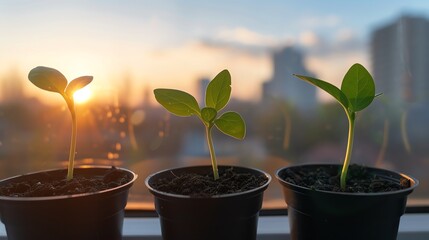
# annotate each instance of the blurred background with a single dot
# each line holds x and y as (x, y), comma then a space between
(133, 47)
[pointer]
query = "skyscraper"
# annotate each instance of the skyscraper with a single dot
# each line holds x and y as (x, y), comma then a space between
(284, 86)
(400, 58)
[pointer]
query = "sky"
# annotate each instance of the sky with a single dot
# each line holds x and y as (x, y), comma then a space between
(137, 45)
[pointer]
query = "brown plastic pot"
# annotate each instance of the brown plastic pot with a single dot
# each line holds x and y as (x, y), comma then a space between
(97, 215)
(317, 214)
(226, 217)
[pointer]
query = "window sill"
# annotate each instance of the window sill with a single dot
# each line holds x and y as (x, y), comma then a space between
(413, 226)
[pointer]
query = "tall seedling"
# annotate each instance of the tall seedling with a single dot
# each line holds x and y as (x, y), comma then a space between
(52, 80)
(356, 93)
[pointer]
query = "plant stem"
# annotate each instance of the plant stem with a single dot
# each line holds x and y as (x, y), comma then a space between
(351, 118)
(72, 143)
(212, 152)
(404, 134)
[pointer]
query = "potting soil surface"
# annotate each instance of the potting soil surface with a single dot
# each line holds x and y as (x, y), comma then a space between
(197, 185)
(359, 180)
(45, 184)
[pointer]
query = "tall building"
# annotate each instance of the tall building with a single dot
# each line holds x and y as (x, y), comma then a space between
(284, 86)
(400, 58)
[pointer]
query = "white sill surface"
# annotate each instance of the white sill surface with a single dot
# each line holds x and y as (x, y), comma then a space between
(412, 227)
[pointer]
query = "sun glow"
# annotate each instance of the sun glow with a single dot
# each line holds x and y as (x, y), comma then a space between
(82, 95)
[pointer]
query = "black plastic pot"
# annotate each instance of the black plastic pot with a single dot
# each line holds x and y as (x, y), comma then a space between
(226, 217)
(331, 215)
(97, 215)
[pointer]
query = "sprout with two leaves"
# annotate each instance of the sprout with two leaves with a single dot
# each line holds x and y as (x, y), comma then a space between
(357, 92)
(52, 80)
(217, 95)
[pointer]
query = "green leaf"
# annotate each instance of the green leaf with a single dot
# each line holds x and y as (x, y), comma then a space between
(177, 102)
(359, 87)
(329, 88)
(232, 124)
(208, 114)
(77, 84)
(48, 79)
(219, 91)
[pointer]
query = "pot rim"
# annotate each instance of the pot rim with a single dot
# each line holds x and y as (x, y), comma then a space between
(61, 197)
(414, 181)
(230, 195)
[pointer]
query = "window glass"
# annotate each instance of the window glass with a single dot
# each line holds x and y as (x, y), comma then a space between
(133, 47)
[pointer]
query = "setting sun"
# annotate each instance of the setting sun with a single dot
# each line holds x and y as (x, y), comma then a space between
(82, 95)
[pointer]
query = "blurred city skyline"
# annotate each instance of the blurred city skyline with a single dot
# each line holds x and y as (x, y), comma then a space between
(133, 47)
(173, 44)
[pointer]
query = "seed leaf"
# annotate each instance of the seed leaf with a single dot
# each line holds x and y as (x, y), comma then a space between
(77, 84)
(329, 88)
(232, 124)
(48, 79)
(359, 87)
(177, 102)
(218, 91)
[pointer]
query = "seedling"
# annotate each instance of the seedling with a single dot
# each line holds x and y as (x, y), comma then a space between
(356, 93)
(52, 80)
(217, 95)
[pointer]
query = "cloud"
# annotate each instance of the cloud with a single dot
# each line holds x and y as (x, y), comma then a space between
(340, 40)
(309, 39)
(245, 36)
(345, 35)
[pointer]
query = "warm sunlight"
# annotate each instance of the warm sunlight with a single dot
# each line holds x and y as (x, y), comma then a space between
(82, 95)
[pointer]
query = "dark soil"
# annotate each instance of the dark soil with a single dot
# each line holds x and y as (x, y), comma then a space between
(359, 180)
(197, 185)
(46, 184)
